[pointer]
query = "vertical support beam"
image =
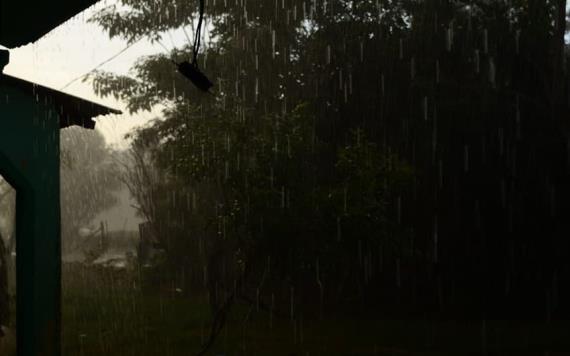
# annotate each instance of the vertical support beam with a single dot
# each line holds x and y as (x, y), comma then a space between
(29, 142)
(38, 264)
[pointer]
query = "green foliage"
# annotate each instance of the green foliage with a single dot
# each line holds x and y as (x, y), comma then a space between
(323, 153)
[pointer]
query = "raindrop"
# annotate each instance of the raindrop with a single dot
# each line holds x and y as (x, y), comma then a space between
(548, 305)
(552, 199)
(483, 337)
(398, 273)
(380, 257)
(294, 332)
(257, 300)
(485, 41)
(435, 240)
(345, 199)
(469, 18)
(292, 291)
(282, 197)
(568, 150)
(449, 38)
(399, 209)
(434, 142)
(554, 289)
(273, 44)
(276, 148)
(466, 158)
(271, 310)
(492, 71)
(301, 336)
(477, 214)
(338, 229)
(518, 118)
(256, 88)
(440, 169)
(501, 141)
(483, 150)
(503, 194)
(437, 71)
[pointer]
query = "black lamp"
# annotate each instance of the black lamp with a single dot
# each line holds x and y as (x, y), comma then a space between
(192, 72)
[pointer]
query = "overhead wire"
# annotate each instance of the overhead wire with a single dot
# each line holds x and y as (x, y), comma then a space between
(195, 48)
(101, 64)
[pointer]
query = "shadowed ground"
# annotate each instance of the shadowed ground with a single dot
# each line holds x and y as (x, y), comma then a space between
(104, 313)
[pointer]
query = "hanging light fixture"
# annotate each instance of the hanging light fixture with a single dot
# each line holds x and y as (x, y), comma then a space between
(191, 70)
(194, 74)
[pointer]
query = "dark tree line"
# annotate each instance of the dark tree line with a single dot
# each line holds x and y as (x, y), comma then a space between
(395, 157)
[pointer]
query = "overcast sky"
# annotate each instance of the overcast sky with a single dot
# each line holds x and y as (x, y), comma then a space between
(73, 49)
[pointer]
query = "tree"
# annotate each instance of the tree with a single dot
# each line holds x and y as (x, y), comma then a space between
(465, 97)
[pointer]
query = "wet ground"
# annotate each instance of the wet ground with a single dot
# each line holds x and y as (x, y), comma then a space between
(104, 313)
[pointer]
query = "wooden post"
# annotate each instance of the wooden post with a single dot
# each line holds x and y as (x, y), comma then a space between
(29, 160)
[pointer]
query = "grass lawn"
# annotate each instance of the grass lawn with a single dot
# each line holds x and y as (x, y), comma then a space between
(105, 314)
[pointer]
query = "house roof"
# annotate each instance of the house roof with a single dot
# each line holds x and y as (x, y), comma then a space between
(24, 21)
(72, 110)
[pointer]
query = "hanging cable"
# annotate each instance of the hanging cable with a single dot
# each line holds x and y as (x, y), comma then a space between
(101, 64)
(198, 34)
(191, 70)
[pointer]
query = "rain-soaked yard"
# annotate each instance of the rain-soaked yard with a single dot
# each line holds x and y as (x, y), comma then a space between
(105, 313)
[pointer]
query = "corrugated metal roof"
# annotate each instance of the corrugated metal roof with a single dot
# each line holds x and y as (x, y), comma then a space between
(24, 21)
(72, 110)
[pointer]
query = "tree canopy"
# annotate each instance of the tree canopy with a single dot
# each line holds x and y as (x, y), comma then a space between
(368, 151)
